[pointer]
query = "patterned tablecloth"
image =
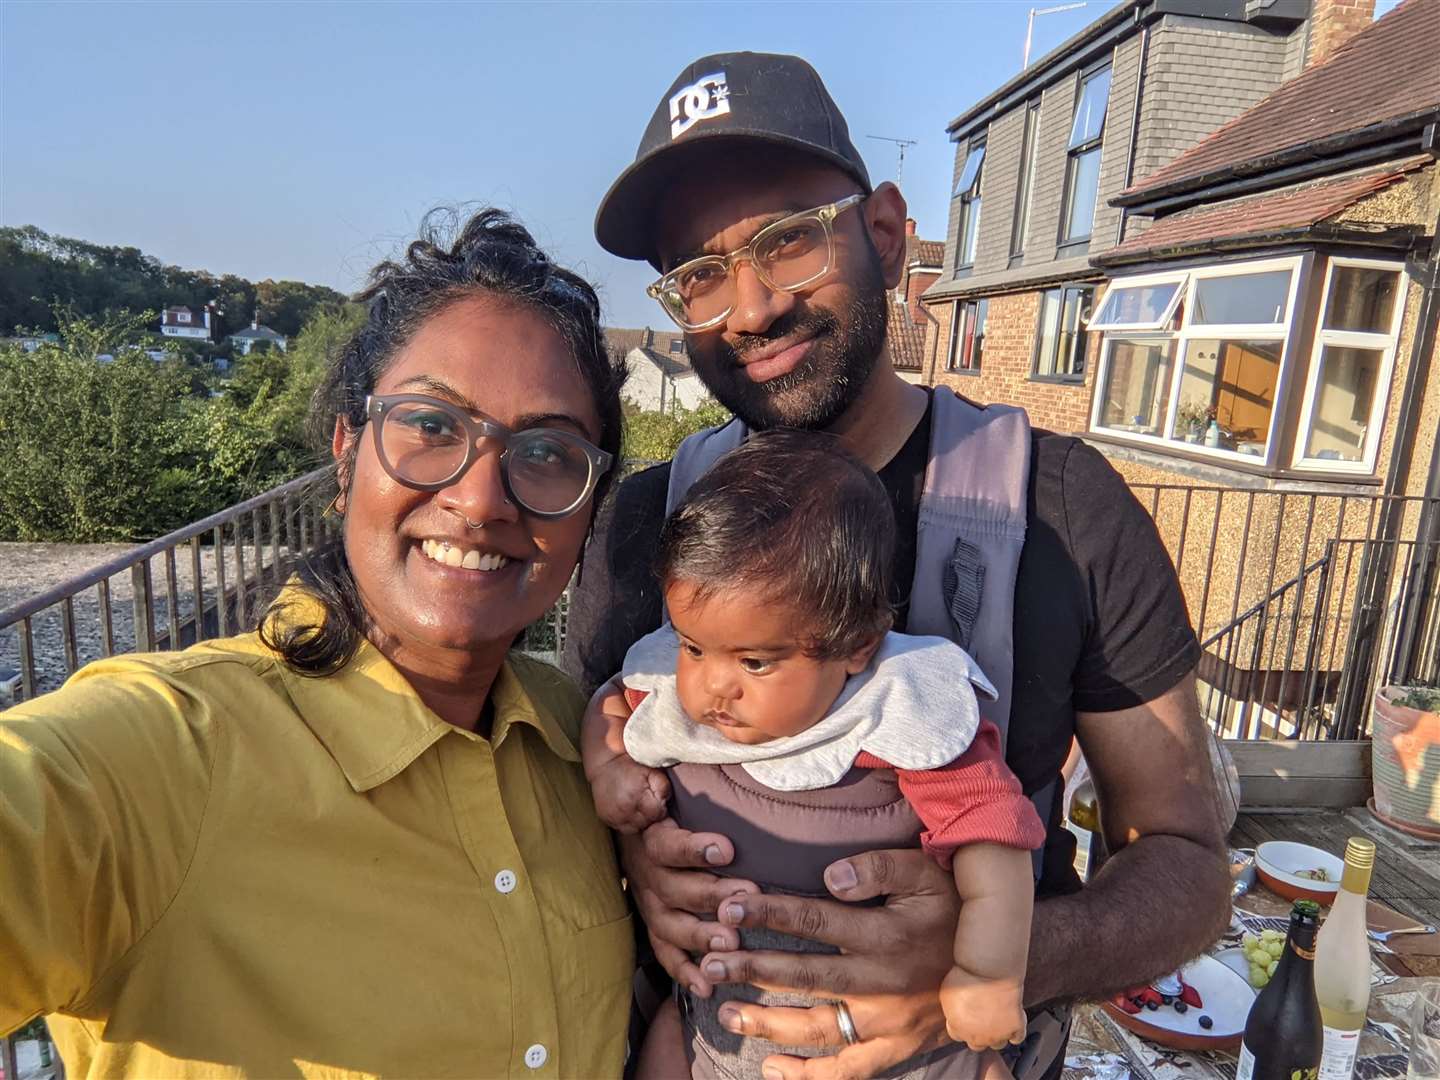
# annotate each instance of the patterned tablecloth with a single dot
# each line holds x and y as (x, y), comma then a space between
(1101, 1049)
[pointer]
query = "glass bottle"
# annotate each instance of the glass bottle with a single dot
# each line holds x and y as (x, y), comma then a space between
(1342, 963)
(1284, 1038)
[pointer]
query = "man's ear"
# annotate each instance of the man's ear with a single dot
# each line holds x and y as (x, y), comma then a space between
(885, 212)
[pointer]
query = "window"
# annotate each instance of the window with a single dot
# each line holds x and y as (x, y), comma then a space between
(1060, 340)
(1198, 357)
(677, 346)
(1350, 367)
(182, 316)
(967, 336)
(1027, 179)
(1145, 304)
(1082, 165)
(967, 190)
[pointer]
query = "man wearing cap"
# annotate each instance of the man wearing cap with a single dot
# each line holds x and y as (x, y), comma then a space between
(776, 253)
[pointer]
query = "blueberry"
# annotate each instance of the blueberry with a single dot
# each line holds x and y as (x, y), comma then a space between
(1166, 999)
(1206, 1023)
(1181, 1007)
(1152, 1005)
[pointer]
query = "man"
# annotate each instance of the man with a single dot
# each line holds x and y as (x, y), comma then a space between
(785, 324)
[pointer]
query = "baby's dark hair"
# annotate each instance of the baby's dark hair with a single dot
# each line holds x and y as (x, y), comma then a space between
(796, 515)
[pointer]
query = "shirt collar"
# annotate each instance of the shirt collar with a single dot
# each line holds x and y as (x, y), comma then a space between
(371, 721)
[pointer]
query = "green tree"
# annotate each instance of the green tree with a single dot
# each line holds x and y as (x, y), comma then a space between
(90, 448)
(655, 436)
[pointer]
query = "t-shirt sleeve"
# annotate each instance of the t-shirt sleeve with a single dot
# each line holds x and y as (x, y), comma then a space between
(616, 600)
(1139, 643)
(975, 799)
(103, 787)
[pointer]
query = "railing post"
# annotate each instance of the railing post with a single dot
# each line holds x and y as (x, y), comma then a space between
(140, 584)
(27, 660)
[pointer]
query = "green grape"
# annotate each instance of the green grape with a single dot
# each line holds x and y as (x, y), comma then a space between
(1248, 942)
(1258, 976)
(1270, 970)
(1275, 948)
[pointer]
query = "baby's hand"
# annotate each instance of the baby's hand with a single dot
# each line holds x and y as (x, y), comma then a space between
(984, 1014)
(629, 797)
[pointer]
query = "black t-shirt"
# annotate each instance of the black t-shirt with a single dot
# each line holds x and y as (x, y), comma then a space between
(1100, 622)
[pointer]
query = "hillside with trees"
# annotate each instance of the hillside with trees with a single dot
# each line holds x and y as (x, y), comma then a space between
(39, 271)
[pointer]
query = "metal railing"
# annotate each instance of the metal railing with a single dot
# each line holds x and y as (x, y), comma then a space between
(1305, 601)
(208, 579)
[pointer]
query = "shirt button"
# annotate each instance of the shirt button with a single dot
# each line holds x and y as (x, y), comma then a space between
(536, 1056)
(505, 882)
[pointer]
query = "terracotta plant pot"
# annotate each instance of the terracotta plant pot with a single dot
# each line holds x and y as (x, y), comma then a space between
(1405, 761)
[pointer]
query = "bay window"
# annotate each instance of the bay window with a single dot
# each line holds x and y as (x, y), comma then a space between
(1207, 357)
(1197, 357)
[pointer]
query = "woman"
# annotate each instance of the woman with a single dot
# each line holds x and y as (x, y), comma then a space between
(357, 841)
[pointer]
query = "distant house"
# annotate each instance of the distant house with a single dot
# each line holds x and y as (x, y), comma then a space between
(620, 342)
(908, 318)
(662, 382)
(245, 340)
(181, 322)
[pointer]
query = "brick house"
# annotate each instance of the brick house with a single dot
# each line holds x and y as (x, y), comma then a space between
(908, 318)
(1044, 154)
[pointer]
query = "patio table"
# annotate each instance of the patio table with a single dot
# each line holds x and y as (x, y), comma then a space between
(1100, 1049)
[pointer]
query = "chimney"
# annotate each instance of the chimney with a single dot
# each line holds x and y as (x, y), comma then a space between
(1333, 23)
(909, 226)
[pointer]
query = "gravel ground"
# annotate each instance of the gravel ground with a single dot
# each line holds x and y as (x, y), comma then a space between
(29, 569)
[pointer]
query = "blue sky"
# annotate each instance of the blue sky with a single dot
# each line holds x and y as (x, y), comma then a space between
(307, 140)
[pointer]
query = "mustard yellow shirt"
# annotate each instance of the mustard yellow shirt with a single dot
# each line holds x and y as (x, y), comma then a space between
(210, 866)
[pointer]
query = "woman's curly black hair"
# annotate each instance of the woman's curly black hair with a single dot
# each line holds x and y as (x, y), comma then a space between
(492, 255)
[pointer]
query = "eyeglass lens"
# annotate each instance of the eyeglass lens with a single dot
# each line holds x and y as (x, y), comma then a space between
(427, 444)
(787, 257)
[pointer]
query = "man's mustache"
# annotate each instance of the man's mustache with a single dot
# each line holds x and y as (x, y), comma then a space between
(797, 324)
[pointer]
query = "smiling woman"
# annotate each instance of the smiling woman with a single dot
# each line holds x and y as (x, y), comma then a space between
(359, 839)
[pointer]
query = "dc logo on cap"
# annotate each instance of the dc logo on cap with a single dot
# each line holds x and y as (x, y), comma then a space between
(703, 99)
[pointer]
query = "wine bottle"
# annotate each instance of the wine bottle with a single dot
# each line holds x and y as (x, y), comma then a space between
(1342, 964)
(1284, 1038)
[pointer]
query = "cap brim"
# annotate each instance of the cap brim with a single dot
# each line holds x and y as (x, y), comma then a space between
(625, 222)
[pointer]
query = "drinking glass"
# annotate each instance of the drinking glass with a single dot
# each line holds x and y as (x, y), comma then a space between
(1425, 1033)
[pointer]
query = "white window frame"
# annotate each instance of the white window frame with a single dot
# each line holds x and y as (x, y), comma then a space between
(1140, 281)
(1282, 332)
(1354, 339)
(183, 317)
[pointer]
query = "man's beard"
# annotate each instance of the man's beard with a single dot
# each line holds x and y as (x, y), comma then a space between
(846, 346)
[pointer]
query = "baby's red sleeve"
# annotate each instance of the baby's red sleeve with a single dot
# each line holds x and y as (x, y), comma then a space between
(634, 697)
(975, 799)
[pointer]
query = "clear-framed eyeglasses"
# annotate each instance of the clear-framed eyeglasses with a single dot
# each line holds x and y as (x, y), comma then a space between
(787, 255)
(428, 444)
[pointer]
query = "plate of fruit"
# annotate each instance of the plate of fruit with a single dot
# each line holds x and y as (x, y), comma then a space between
(1203, 1006)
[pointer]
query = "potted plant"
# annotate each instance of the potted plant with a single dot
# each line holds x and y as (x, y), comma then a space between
(1191, 417)
(1406, 775)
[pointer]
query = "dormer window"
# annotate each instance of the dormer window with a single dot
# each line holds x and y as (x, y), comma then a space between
(967, 190)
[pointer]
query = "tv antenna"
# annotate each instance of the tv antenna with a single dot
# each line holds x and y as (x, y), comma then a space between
(901, 144)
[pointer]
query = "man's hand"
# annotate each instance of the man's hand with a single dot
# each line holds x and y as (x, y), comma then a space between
(889, 971)
(676, 898)
(1164, 896)
(629, 796)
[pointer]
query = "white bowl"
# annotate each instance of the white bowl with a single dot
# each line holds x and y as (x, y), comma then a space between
(1279, 862)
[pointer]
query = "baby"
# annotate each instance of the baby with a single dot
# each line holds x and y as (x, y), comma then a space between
(790, 719)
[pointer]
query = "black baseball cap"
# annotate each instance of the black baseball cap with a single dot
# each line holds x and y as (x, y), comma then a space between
(758, 97)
